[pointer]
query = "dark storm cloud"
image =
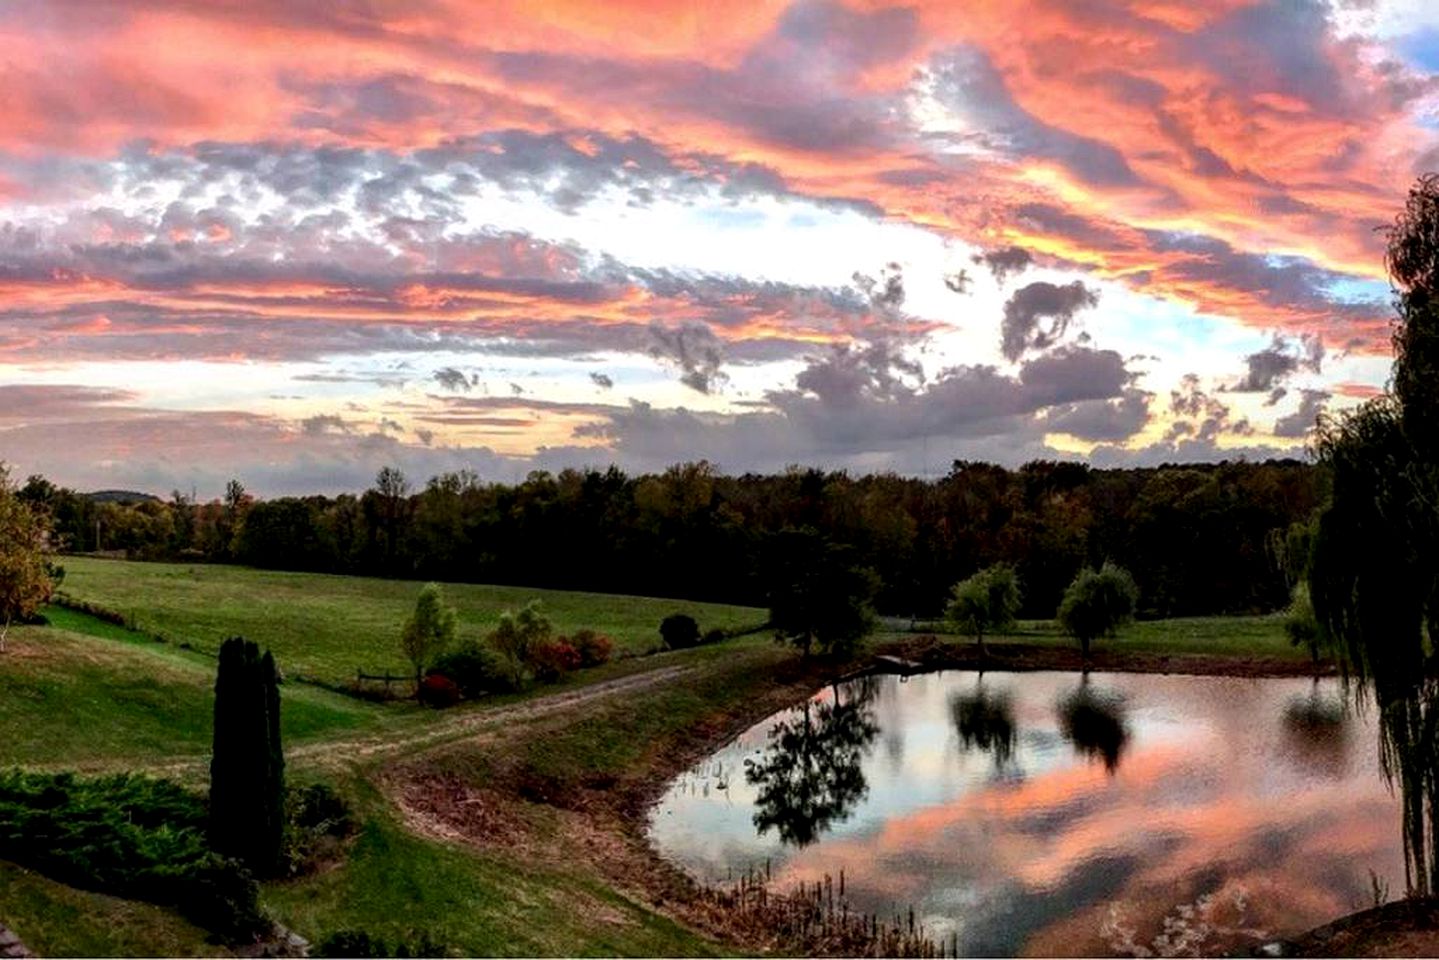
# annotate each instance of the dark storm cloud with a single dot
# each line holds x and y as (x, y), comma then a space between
(1028, 307)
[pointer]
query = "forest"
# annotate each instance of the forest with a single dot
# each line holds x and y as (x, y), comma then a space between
(1200, 539)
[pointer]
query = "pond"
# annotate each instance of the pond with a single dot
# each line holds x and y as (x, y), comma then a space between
(1045, 814)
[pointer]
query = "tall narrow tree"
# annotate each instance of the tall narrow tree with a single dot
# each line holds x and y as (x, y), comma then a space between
(247, 768)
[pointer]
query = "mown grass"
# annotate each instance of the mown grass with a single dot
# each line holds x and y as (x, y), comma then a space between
(1241, 636)
(398, 886)
(330, 626)
(106, 701)
(54, 920)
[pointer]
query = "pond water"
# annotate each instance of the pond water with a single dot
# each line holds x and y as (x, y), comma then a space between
(1043, 814)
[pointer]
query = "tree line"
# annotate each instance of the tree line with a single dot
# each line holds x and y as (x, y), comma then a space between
(1198, 537)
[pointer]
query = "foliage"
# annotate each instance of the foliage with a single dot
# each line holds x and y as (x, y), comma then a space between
(550, 660)
(430, 629)
(439, 691)
(247, 765)
(985, 602)
(518, 634)
(679, 631)
(1300, 624)
(130, 836)
(1098, 603)
(25, 581)
(595, 649)
(818, 596)
(317, 821)
(1374, 571)
(643, 534)
(476, 669)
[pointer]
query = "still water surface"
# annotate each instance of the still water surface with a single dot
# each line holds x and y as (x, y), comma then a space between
(1041, 814)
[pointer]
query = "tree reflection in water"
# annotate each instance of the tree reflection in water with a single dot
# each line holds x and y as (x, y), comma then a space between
(810, 776)
(985, 721)
(1316, 735)
(1093, 720)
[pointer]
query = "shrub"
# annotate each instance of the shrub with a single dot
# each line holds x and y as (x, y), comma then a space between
(713, 635)
(517, 634)
(359, 943)
(680, 631)
(476, 669)
(552, 659)
(594, 648)
(130, 836)
(317, 818)
(439, 691)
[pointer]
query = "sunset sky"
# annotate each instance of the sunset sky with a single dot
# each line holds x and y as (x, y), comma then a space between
(292, 241)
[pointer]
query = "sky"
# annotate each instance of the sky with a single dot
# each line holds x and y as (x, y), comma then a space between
(292, 242)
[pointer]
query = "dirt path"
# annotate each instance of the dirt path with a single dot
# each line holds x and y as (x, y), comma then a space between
(473, 722)
(481, 723)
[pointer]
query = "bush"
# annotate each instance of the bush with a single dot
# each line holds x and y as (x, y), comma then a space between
(594, 648)
(439, 691)
(358, 943)
(552, 659)
(130, 836)
(680, 631)
(517, 634)
(317, 821)
(714, 635)
(476, 669)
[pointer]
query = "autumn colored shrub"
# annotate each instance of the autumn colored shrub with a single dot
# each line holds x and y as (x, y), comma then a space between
(550, 660)
(439, 691)
(594, 648)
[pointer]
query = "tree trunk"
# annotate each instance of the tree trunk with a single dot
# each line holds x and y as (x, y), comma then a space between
(979, 636)
(1084, 648)
(4, 632)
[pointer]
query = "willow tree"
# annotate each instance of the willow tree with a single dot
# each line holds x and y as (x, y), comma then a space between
(1374, 571)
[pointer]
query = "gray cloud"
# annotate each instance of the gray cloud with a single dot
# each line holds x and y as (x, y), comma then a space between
(452, 379)
(602, 380)
(1301, 421)
(1028, 306)
(694, 349)
(1271, 367)
(1005, 261)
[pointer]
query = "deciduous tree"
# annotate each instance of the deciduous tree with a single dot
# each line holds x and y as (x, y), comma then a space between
(25, 582)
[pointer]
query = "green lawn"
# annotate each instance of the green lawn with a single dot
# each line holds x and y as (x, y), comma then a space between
(329, 626)
(87, 695)
(398, 886)
(54, 920)
(1245, 636)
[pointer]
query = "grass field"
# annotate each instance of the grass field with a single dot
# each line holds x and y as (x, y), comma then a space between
(330, 626)
(87, 695)
(1241, 636)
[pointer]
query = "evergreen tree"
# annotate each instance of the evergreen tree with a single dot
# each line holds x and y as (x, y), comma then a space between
(247, 768)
